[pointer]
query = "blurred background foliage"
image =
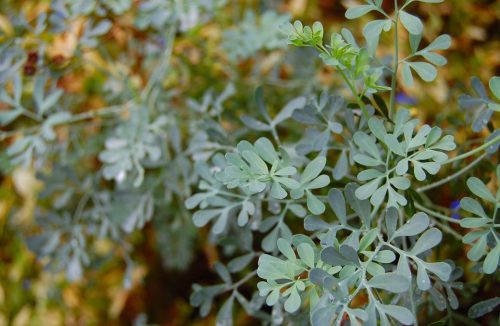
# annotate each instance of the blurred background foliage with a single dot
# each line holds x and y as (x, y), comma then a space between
(229, 45)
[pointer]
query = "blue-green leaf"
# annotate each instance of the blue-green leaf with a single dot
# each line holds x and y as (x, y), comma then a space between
(306, 254)
(391, 282)
(412, 23)
(483, 307)
(407, 75)
(314, 205)
(368, 239)
(337, 203)
(495, 86)
(478, 250)
(442, 42)
(313, 169)
(425, 70)
(479, 189)
(470, 205)
(430, 1)
(416, 225)
(490, 264)
(239, 263)
(358, 11)
(401, 314)
(293, 302)
(428, 240)
(286, 249)
(225, 314)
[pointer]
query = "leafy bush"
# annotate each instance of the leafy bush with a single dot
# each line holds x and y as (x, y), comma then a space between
(354, 169)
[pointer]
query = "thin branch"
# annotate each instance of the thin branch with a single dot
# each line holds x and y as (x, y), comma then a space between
(435, 214)
(452, 176)
(474, 151)
(245, 279)
(321, 48)
(74, 119)
(392, 101)
(159, 73)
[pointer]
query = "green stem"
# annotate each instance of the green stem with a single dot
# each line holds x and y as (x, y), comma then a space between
(405, 247)
(243, 280)
(355, 93)
(406, 4)
(362, 284)
(450, 313)
(474, 151)
(31, 115)
(74, 119)
(159, 73)
(449, 230)
(275, 135)
(321, 48)
(453, 176)
(435, 214)
(392, 102)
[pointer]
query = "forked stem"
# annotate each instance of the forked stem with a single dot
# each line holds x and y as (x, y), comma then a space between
(392, 101)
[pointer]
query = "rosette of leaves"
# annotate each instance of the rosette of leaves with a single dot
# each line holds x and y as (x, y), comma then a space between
(12, 100)
(211, 104)
(342, 53)
(63, 241)
(300, 35)
(328, 115)
(288, 279)
(214, 202)
(134, 142)
(387, 264)
(389, 155)
(255, 167)
(252, 35)
(311, 179)
(424, 70)
(158, 14)
(321, 113)
(484, 237)
(481, 105)
(33, 146)
(203, 296)
(327, 232)
(270, 124)
(254, 170)
(427, 238)
(66, 237)
(442, 293)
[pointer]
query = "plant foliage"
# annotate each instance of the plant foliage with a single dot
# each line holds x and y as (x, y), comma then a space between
(320, 208)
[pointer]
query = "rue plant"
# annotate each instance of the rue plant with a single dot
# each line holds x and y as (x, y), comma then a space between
(322, 210)
(369, 249)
